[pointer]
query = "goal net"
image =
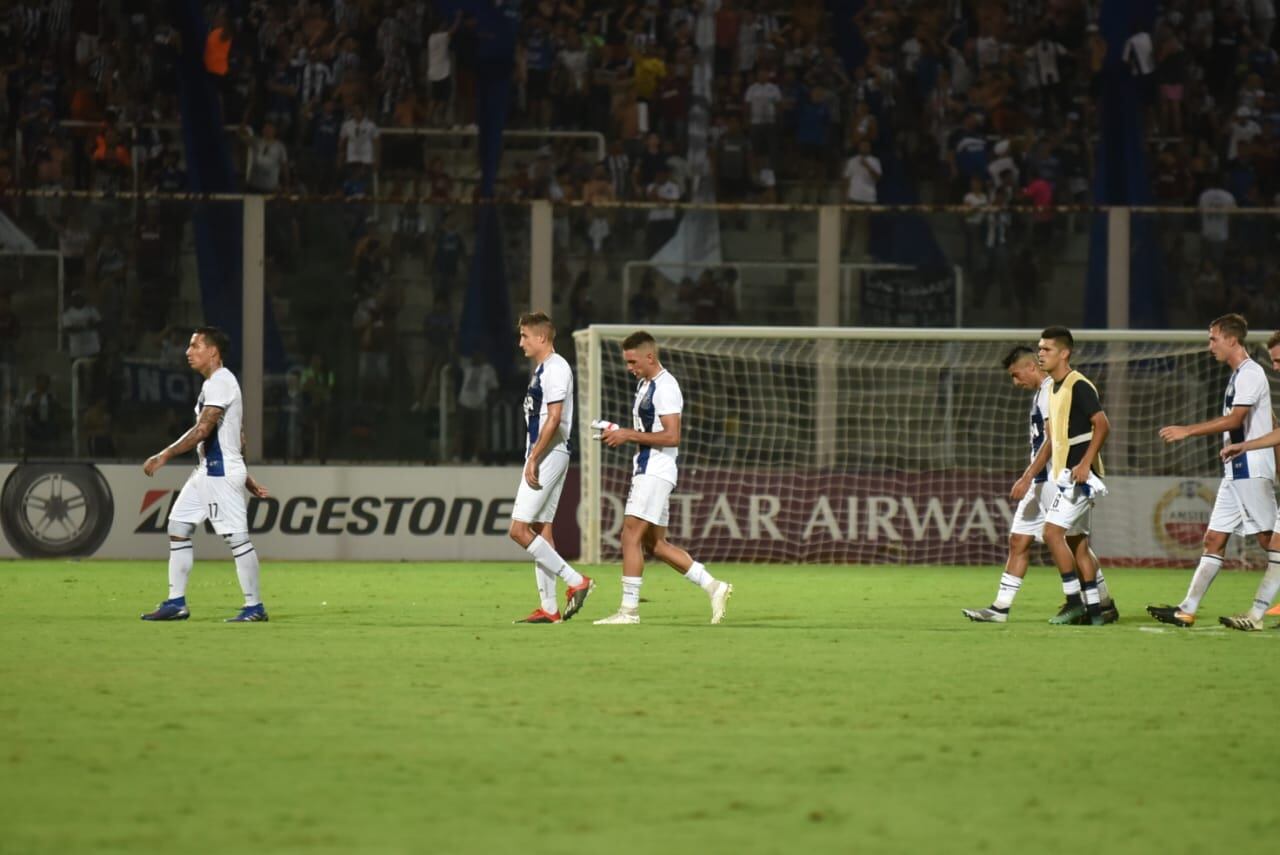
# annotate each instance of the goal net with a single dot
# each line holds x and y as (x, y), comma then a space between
(895, 445)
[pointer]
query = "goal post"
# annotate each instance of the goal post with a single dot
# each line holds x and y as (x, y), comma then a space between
(888, 445)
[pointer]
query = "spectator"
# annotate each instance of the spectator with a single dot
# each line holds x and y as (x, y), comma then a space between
(316, 384)
(710, 300)
(1039, 193)
(598, 190)
(437, 336)
(975, 225)
(268, 160)
(647, 165)
(1215, 228)
(862, 172)
(643, 306)
(478, 383)
(96, 426)
(440, 69)
(375, 327)
(42, 417)
(662, 221)
(733, 160)
(763, 99)
(446, 255)
(10, 329)
(81, 322)
(581, 306)
(323, 136)
(358, 140)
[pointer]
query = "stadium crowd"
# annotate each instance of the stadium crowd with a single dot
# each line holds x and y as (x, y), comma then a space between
(989, 104)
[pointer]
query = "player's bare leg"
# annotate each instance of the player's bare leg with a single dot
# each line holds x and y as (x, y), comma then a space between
(1087, 560)
(1015, 569)
(632, 538)
(1055, 538)
(1184, 614)
(682, 562)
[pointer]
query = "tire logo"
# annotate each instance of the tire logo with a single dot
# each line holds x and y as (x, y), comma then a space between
(56, 511)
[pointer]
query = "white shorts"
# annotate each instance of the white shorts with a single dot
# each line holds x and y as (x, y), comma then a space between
(222, 501)
(649, 499)
(539, 506)
(1247, 506)
(1028, 517)
(1069, 509)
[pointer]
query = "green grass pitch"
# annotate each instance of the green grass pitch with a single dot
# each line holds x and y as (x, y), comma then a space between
(395, 708)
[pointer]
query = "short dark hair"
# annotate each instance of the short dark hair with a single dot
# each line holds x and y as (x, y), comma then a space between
(1061, 335)
(217, 338)
(1019, 353)
(1274, 340)
(639, 338)
(1233, 325)
(538, 319)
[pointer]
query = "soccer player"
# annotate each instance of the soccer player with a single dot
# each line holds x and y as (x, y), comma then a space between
(1078, 427)
(215, 491)
(656, 416)
(548, 417)
(1031, 493)
(1246, 502)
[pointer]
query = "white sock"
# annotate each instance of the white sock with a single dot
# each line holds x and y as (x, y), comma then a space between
(1103, 591)
(631, 592)
(547, 557)
(1268, 587)
(181, 557)
(546, 589)
(1009, 585)
(1071, 585)
(699, 576)
(1206, 572)
(246, 568)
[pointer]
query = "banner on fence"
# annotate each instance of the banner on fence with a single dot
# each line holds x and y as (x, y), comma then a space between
(379, 513)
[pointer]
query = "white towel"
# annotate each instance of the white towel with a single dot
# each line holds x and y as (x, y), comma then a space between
(1094, 488)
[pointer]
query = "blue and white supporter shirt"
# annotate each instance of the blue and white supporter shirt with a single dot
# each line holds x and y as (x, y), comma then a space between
(656, 398)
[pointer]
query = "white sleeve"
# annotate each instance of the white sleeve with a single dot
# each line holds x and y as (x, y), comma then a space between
(667, 400)
(1042, 404)
(555, 383)
(1250, 386)
(217, 392)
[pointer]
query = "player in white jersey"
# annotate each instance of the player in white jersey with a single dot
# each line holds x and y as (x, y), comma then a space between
(548, 417)
(1031, 491)
(1270, 584)
(656, 416)
(215, 491)
(1246, 502)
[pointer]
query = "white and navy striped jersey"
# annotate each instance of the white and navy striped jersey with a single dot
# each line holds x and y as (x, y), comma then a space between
(1248, 387)
(550, 383)
(1040, 415)
(656, 398)
(221, 451)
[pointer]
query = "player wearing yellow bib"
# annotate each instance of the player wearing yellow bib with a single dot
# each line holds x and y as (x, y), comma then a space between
(1078, 427)
(1033, 493)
